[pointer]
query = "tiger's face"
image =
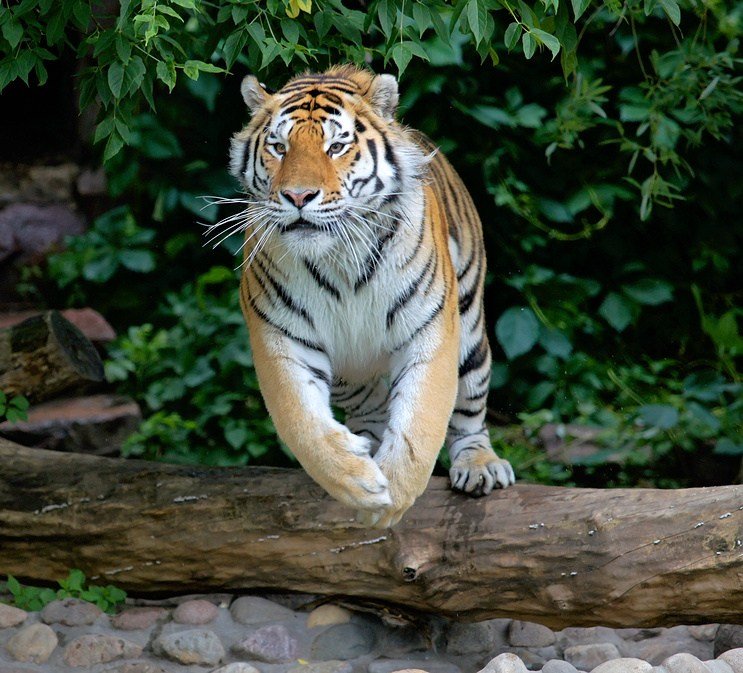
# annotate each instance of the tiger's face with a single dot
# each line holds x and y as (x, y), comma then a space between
(323, 155)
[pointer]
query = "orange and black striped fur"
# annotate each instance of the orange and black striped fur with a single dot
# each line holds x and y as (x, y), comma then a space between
(363, 289)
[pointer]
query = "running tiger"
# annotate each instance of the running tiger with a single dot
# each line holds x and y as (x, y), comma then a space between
(363, 289)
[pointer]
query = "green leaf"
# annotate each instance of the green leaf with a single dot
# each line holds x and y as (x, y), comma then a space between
(649, 291)
(555, 342)
(166, 73)
(401, 55)
(517, 331)
(422, 17)
(727, 447)
(113, 147)
(672, 10)
(661, 416)
(548, 40)
(12, 32)
(513, 33)
(529, 44)
(116, 78)
(579, 6)
(477, 17)
(141, 261)
(191, 69)
(616, 311)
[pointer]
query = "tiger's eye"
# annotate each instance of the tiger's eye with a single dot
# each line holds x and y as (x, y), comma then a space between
(335, 148)
(279, 148)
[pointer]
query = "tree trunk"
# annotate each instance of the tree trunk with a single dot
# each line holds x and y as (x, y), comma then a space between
(559, 556)
(44, 355)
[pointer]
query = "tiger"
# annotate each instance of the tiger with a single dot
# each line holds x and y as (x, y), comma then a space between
(362, 289)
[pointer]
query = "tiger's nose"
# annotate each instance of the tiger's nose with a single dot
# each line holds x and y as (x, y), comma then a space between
(300, 198)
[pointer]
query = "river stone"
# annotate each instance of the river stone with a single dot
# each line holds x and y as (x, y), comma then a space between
(239, 667)
(11, 616)
(591, 655)
(93, 649)
(574, 635)
(137, 619)
(734, 658)
(558, 666)
(271, 644)
(191, 647)
(624, 665)
(430, 666)
(718, 666)
(703, 631)
(136, 667)
(344, 641)
(505, 663)
(34, 644)
(728, 637)
(195, 612)
(328, 615)
(70, 612)
(666, 644)
(477, 638)
(528, 634)
(257, 610)
(684, 663)
(322, 667)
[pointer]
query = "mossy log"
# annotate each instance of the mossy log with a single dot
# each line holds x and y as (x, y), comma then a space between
(559, 556)
(45, 355)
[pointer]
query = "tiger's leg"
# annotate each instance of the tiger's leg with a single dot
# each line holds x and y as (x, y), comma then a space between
(475, 467)
(365, 406)
(295, 383)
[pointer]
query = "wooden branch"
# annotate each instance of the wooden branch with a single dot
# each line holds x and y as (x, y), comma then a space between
(44, 355)
(559, 556)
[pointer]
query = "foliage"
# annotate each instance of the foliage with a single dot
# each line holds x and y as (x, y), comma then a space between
(34, 598)
(598, 138)
(13, 408)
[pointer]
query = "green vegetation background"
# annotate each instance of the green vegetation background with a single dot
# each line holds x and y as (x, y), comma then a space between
(600, 139)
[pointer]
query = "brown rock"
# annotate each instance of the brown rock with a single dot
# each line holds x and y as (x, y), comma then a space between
(94, 649)
(136, 667)
(91, 323)
(138, 619)
(195, 612)
(70, 612)
(11, 616)
(272, 644)
(327, 615)
(34, 644)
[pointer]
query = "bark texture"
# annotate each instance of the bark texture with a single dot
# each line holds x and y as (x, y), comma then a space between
(559, 556)
(45, 355)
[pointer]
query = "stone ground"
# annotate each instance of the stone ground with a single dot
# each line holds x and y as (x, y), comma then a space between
(290, 634)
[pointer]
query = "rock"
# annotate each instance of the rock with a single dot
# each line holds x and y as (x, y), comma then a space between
(558, 666)
(718, 666)
(684, 663)
(428, 665)
(16, 669)
(138, 619)
(11, 616)
(91, 323)
(505, 663)
(271, 644)
(528, 634)
(34, 644)
(191, 647)
(195, 612)
(477, 638)
(624, 665)
(328, 615)
(728, 637)
(92, 182)
(239, 667)
(591, 655)
(70, 612)
(703, 631)
(587, 636)
(734, 658)
(322, 667)
(136, 667)
(670, 642)
(344, 641)
(257, 610)
(33, 230)
(94, 649)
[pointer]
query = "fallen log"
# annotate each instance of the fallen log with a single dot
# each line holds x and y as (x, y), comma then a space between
(45, 355)
(559, 556)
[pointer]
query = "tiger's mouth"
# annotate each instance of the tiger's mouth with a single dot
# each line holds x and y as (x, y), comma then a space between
(301, 224)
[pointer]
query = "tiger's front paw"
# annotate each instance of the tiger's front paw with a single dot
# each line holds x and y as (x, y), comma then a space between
(478, 470)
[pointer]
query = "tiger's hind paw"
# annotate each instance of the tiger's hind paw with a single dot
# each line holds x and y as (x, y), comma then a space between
(478, 470)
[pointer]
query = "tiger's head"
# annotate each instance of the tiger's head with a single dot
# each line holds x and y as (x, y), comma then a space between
(324, 155)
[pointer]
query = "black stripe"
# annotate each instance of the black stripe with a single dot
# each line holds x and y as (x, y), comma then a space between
(323, 282)
(406, 296)
(318, 374)
(286, 333)
(285, 298)
(467, 412)
(474, 359)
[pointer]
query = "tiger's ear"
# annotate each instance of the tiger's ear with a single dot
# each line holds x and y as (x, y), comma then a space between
(383, 96)
(254, 93)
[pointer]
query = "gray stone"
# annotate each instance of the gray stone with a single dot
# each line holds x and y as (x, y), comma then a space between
(32, 230)
(718, 666)
(672, 641)
(428, 665)
(624, 665)
(195, 612)
(257, 610)
(588, 636)
(533, 657)
(344, 641)
(34, 644)
(328, 615)
(70, 612)
(505, 663)
(734, 658)
(138, 619)
(191, 647)
(239, 667)
(271, 644)
(591, 655)
(10, 616)
(136, 667)
(528, 634)
(728, 637)
(703, 631)
(322, 667)
(684, 663)
(92, 649)
(477, 638)
(16, 669)
(558, 666)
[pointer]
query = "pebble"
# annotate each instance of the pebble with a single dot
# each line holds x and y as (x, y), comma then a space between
(718, 666)
(191, 647)
(623, 665)
(136, 619)
(10, 616)
(428, 665)
(505, 663)
(487, 636)
(70, 612)
(528, 634)
(98, 649)
(34, 644)
(734, 658)
(344, 641)
(328, 615)
(703, 631)
(135, 667)
(728, 637)
(257, 610)
(322, 667)
(558, 666)
(239, 667)
(270, 644)
(684, 663)
(195, 612)
(591, 655)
